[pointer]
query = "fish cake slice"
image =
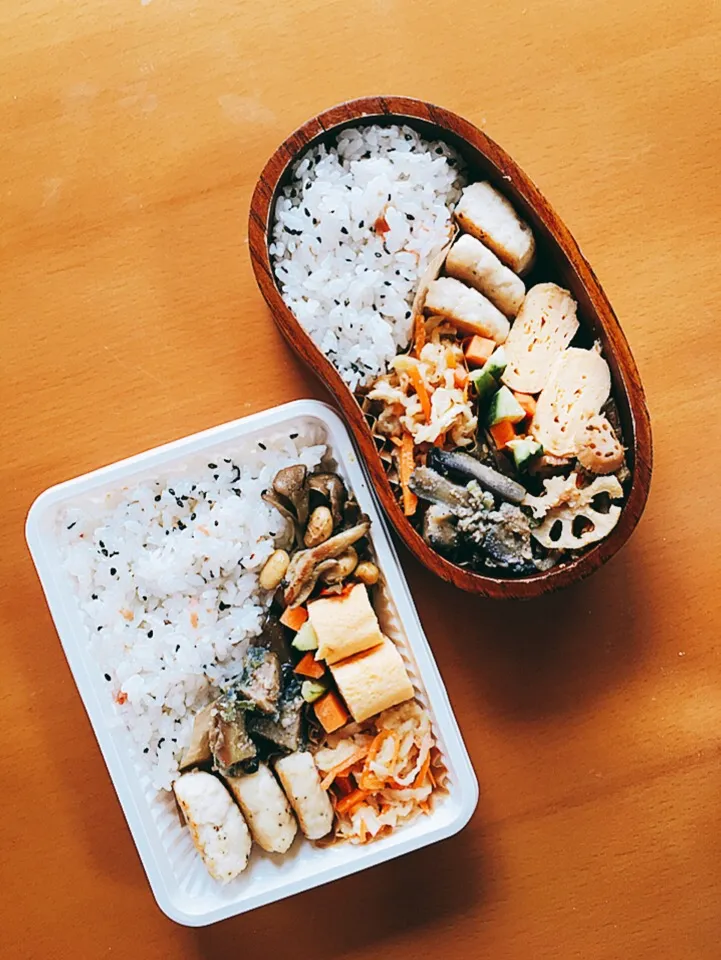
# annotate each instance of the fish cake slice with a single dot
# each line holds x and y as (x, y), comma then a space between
(486, 214)
(466, 308)
(265, 809)
(472, 262)
(219, 832)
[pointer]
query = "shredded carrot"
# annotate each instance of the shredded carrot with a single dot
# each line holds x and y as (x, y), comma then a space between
(341, 768)
(440, 439)
(344, 784)
(378, 742)
(460, 377)
(397, 440)
(370, 782)
(419, 386)
(406, 468)
(419, 334)
(203, 529)
(423, 772)
(127, 615)
(362, 830)
(425, 806)
(121, 697)
(194, 619)
(346, 804)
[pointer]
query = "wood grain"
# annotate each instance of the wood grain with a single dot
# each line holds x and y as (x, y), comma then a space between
(129, 315)
(560, 261)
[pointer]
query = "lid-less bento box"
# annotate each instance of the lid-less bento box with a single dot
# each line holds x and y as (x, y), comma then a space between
(122, 699)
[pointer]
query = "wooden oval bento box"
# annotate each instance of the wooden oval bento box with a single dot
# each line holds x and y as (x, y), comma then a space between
(558, 258)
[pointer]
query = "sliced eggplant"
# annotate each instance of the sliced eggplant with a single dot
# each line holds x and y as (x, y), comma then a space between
(198, 750)
(230, 743)
(440, 530)
(459, 464)
(285, 728)
(258, 686)
(430, 485)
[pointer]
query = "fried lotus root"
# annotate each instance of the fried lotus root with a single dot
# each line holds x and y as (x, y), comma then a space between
(599, 448)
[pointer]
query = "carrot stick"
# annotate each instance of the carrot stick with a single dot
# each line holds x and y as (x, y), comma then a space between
(294, 617)
(346, 804)
(406, 467)
(415, 374)
(310, 667)
(331, 713)
(502, 432)
(340, 768)
(419, 334)
(423, 772)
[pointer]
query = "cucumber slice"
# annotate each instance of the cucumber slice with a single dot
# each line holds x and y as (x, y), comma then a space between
(311, 690)
(524, 449)
(504, 406)
(487, 378)
(306, 638)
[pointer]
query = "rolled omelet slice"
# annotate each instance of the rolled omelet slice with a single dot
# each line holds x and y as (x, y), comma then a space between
(486, 214)
(265, 809)
(344, 625)
(473, 263)
(579, 385)
(301, 781)
(543, 329)
(373, 681)
(219, 832)
(466, 308)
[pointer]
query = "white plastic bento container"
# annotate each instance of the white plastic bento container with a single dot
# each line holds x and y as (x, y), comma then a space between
(180, 883)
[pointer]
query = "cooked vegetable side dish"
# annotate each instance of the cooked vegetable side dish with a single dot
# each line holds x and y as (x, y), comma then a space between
(287, 710)
(493, 416)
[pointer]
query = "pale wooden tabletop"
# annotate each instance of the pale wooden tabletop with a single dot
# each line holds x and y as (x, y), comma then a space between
(132, 136)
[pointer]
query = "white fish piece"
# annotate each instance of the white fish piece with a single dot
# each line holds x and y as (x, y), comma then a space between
(219, 832)
(300, 779)
(265, 808)
(579, 385)
(486, 214)
(472, 262)
(465, 307)
(544, 327)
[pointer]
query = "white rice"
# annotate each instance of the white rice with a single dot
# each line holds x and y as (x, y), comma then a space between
(166, 575)
(350, 287)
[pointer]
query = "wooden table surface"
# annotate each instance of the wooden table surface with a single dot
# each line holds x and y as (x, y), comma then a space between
(132, 136)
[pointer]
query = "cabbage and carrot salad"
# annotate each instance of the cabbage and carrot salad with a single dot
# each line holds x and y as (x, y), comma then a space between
(381, 773)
